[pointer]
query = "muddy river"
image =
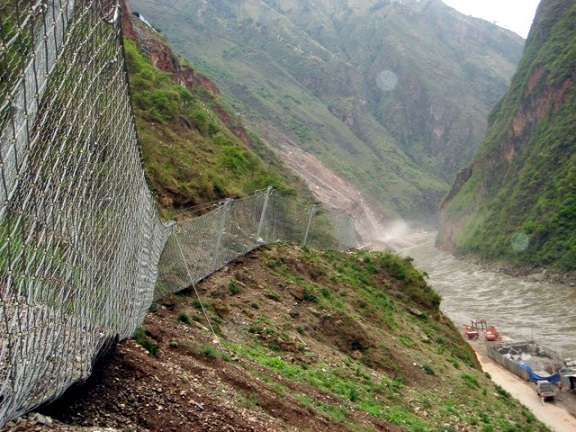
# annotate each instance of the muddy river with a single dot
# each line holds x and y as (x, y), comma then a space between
(520, 309)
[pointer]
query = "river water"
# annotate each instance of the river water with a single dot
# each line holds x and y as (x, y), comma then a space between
(520, 309)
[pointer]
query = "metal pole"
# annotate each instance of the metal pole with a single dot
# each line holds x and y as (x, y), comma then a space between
(312, 213)
(221, 230)
(263, 215)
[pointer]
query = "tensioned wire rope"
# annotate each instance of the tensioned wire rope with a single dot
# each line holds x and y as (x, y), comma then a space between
(193, 285)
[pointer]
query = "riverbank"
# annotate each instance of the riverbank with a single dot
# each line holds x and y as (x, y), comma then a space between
(539, 275)
(515, 304)
(559, 415)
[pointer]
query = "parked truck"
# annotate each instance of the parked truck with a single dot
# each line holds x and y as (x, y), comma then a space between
(545, 390)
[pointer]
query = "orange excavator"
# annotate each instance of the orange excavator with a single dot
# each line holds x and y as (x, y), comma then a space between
(479, 325)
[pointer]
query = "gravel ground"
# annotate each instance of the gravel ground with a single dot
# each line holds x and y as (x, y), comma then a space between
(559, 415)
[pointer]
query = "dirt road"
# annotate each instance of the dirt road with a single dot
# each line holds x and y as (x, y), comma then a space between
(551, 414)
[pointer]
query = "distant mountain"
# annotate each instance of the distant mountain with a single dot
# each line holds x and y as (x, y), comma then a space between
(392, 96)
(517, 201)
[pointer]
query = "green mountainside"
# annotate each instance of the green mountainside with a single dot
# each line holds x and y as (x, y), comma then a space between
(517, 201)
(195, 150)
(391, 95)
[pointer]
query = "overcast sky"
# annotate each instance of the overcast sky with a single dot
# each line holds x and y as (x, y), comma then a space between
(515, 15)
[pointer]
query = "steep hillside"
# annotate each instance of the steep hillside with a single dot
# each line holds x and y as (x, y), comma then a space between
(308, 340)
(195, 149)
(517, 201)
(390, 95)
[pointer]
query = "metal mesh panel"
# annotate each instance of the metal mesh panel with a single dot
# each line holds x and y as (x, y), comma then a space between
(189, 253)
(289, 220)
(342, 230)
(204, 244)
(199, 246)
(79, 235)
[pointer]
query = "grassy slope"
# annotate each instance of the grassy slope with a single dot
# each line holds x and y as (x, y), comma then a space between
(525, 210)
(307, 340)
(191, 157)
(356, 337)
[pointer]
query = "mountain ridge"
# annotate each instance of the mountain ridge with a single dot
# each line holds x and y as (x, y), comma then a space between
(350, 89)
(195, 150)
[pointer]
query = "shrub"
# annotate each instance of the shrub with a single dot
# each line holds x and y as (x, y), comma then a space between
(143, 340)
(234, 159)
(428, 369)
(209, 351)
(272, 296)
(500, 390)
(353, 395)
(310, 294)
(470, 380)
(184, 317)
(234, 287)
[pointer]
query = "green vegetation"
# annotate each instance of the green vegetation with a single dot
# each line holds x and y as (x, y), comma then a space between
(234, 287)
(428, 369)
(191, 156)
(212, 352)
(355, 353)
(184, 318)
(399, 133)
(146, 341)
(519, 203)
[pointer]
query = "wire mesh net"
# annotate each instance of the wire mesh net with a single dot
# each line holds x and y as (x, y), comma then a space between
(79, 234)
(202, 245)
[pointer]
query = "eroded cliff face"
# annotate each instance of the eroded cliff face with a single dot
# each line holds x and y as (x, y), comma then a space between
(161, 54)
(536, 102)
(164, 59)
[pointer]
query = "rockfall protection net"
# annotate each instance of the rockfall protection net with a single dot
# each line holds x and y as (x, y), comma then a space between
(79, 234)
(204, 244)
(80, 239)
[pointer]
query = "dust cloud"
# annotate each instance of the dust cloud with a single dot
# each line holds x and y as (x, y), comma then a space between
(398, 235)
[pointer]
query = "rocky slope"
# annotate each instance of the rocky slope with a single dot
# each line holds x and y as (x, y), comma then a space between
(516, 201)
(303, 340)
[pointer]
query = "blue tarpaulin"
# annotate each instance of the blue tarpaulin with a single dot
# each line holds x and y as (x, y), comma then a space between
(552, 379)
